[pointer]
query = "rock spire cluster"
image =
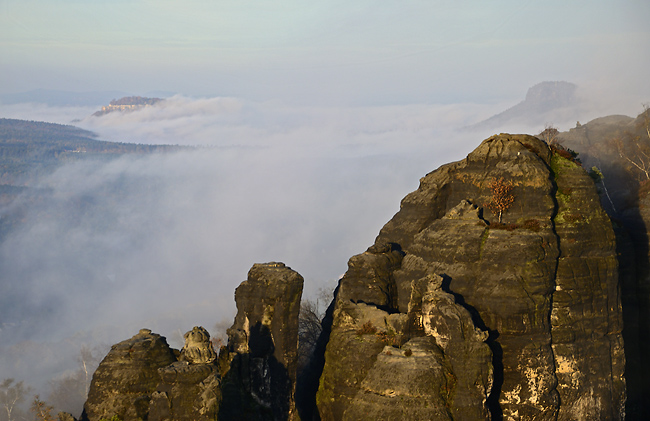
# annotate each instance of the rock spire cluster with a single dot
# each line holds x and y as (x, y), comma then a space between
(459, 310)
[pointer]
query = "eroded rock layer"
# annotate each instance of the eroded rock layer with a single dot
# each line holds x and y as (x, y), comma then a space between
(506, 298)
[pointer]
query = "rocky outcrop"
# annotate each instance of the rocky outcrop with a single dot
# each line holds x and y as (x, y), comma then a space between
(604, 143)
(198, 349)
(187, 392)
(519, 319)
(259, 366)
(189, 389)
(253, 378)
(376, 358)
(128, 103)
(492, 294)
(140, 378)
(544, 102)
(125, 380)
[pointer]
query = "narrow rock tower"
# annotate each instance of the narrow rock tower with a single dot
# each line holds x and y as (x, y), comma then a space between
(259, 366)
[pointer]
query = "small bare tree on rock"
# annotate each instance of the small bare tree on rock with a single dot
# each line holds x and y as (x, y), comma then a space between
(549, 134)
(634, 148)
(502, 198)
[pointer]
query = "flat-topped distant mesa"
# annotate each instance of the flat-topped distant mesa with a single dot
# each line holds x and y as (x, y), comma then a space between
(128, 103)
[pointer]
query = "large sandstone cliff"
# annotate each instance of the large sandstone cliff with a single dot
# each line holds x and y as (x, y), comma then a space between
(520, 319)
(613, 145)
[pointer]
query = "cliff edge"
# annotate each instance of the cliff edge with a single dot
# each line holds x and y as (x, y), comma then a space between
(498, 280)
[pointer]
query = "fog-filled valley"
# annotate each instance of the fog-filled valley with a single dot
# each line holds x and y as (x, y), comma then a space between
(161, 240)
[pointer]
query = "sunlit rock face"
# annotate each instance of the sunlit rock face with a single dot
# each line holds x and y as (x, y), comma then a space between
(127, 377)
(140, 378)
(519, 319)
(198, 349)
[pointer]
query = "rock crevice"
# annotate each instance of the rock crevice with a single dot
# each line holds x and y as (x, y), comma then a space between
(532, 283)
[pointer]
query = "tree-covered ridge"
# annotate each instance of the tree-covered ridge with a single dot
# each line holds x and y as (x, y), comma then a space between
(30, 148)
(38, 130)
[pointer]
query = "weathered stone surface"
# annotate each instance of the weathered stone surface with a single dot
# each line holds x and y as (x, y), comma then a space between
(187, 392)
(141, 378)
(625, 197)
(463, 345)
(262, 346)
(190, 389)
(127, 377)
(506, 278)
(586, 322)
(383, 365)
(198, 349)
(351, 352)
(399, 385)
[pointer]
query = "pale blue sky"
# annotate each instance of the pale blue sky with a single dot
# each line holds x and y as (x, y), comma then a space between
(362, 51)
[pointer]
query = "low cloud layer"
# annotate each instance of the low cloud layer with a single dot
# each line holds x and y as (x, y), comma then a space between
(225, 122)
(162, 241)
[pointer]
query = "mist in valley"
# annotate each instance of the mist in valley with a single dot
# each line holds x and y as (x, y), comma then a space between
(161, 241)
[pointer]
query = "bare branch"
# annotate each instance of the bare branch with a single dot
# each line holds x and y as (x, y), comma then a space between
(501, 199)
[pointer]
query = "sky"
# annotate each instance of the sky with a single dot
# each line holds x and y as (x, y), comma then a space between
(312, 120)
(327, 52)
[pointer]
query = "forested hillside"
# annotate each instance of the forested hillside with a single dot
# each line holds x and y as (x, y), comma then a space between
(30, 150)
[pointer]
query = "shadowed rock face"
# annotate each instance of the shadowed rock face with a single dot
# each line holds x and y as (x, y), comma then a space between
(520, 319)
(627, 199)
(259, 367)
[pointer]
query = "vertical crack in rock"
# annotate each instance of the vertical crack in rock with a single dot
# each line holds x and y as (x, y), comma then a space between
(587, 334)
(455, 312)
(541, 307)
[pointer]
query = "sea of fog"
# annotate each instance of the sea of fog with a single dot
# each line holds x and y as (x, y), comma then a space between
(162, 241)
